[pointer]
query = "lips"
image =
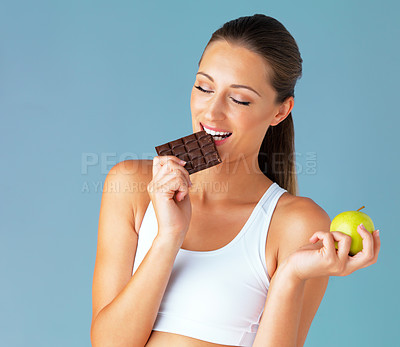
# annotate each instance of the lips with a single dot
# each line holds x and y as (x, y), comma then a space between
(214, 131)
(219, 137)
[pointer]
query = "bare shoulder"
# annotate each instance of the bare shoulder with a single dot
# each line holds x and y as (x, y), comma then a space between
(134, 168)
(129, 178)
(300, 218)
(301, 209)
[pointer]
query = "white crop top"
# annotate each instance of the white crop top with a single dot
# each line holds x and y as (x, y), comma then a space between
(216, 296)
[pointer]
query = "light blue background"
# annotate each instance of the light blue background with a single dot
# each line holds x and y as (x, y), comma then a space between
(110, 80)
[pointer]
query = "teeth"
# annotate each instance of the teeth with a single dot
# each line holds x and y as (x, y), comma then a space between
(212, 132)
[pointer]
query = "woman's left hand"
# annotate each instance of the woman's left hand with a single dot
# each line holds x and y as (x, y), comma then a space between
(320, 258)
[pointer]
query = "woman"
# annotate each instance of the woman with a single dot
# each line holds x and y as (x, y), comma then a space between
(244, 262)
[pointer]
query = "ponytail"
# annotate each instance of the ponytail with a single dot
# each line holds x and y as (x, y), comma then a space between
(276, 158)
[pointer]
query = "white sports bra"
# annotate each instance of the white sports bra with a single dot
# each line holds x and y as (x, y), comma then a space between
(217, 296)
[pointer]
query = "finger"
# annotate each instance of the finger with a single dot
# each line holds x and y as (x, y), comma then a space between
(366, 256)
(377, 247)
(170, 166)
(327, 241)
(172, 177)
(173, 183)
(182, 190)
(367, 241)
(344, 243)
(155, 185)
(162, 160)
(156, 165)
(180, 196)
(163, 170)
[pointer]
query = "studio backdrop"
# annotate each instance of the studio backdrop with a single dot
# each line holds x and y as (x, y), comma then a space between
(87, 84)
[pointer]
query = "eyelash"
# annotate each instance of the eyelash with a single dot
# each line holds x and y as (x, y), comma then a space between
(244, 103)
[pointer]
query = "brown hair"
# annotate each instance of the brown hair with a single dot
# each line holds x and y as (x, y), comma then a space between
(269, 38)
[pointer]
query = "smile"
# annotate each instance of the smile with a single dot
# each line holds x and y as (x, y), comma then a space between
(217, 135)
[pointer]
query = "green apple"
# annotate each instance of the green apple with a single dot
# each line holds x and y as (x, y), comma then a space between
(347, 222)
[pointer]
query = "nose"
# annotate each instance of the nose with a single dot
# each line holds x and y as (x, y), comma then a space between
(215, 109)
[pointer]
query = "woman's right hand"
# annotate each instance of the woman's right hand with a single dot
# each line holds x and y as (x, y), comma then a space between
(169, 193)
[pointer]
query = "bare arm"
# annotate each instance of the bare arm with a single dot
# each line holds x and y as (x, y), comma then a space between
(125, 306)
(280, 320)
(292, 303)
(128, 320)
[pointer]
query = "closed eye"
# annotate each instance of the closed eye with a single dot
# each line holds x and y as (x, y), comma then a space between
(245, 103)
(203, 90)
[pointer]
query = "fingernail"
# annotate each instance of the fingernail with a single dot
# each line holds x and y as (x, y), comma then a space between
(377, 233)
(362, 226)
(182, 162)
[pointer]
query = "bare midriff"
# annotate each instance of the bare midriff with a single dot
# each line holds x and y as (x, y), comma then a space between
(162, 339)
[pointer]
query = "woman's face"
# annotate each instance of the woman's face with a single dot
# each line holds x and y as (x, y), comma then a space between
(232, 94)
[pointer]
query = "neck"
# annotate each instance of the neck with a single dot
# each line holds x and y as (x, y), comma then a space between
(237, 180)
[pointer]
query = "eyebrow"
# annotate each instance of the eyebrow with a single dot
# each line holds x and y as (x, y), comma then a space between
(232, 85)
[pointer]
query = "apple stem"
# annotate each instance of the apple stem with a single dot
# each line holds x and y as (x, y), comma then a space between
(360, 208)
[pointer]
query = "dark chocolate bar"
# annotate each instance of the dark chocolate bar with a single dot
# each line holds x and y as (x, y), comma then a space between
(198, 150)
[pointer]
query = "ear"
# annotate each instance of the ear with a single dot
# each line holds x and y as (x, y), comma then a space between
(283, 111)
